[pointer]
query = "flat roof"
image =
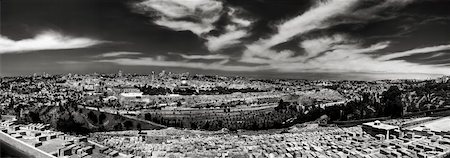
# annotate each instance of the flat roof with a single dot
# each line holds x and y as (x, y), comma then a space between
(381, 126)
(131, 94)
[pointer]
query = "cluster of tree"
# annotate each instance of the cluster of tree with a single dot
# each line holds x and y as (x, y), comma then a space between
(149, 90)
(390, 104)
(226, 90)
(430, 96)
(63, 118)
(60, 81)
(70, 118)
(184, 91)
(282, 105)
(96, 119)
(368, 107)
(214, 91)
(251, 120)
(26, 90)
(70, 125)
(4, 85)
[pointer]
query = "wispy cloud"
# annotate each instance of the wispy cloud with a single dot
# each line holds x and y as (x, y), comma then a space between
(197, 16)
(315, 47)
(48, 40)
(315, 18)
(225, 40)
(196, 28)
(150, 61)
(337, 54)
(371, 12)
(116, 54)
(328, 54)
(234, 31)
(204, 57)
(431, 49)
(171, 13)
(433, 56)
(324, 14)
(70, 62)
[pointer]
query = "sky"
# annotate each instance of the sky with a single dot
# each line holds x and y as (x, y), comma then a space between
(305, 39)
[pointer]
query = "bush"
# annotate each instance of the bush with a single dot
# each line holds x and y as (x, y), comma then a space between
(128, 125)
(93, 117)
(102, 117)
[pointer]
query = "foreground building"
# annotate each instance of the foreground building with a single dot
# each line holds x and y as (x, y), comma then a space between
(380, 130)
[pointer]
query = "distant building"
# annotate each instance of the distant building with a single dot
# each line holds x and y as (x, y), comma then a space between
(130, 96)
(119, 73)
(184, 81)
(153, 76)
(163, 72)
(377, 128)
(183, 87)
(443, 79)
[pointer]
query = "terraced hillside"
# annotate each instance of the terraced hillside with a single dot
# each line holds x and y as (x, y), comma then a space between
(84, 120)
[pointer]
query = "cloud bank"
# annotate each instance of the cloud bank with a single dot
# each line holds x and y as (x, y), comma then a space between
(48, 40)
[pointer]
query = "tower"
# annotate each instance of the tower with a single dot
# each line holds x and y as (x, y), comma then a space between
(163, 72)
(153, 75)
(120, 73)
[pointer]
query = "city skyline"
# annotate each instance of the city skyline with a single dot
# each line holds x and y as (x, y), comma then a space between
(333, 39)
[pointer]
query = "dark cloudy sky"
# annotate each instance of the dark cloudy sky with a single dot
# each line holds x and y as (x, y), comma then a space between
(313, 39)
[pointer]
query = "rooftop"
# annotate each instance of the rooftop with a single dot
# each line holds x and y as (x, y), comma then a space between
(379, 125)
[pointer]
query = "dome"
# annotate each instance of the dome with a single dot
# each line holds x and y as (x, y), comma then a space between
(183, 82)
(377, 122)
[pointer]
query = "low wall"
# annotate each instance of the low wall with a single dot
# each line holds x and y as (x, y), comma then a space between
(358, 122)
(23, 147)
(445, 109)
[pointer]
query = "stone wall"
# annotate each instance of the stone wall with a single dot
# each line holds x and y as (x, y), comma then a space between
(23, 147)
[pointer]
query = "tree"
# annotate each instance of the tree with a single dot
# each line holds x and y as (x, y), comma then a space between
(92, 117)
(148, 116)
(118, 126)
(69, 125)
(139, 127)
(281, 105)
(193, 125)
(102, 117)
(34, 116)
(128, 125)
(392, 101)
(205, 125)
